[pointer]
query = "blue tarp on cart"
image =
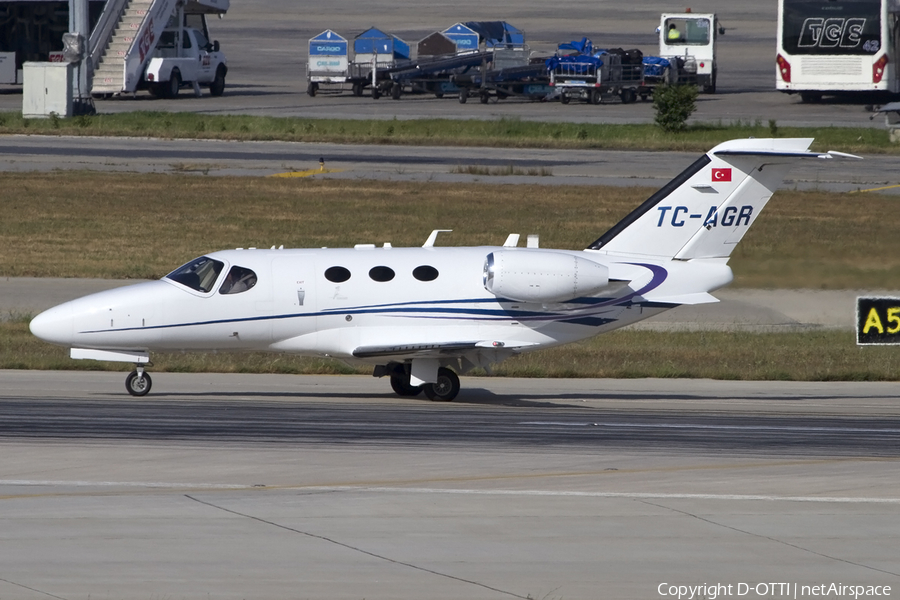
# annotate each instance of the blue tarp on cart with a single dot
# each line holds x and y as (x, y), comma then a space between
(655, 66)
(497, 33)
(577, 64)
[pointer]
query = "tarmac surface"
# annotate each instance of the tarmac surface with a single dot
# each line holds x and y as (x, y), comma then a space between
(243, 486)
(20, 153)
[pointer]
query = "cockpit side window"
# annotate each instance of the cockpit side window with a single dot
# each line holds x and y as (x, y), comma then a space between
(239, 279)
(200, 274)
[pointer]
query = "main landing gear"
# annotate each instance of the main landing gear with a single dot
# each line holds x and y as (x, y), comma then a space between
(138, 382)
(445, 389)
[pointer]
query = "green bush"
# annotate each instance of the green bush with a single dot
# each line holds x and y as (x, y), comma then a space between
(673, 105)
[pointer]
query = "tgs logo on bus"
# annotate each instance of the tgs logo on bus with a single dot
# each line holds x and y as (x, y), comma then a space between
(837, 32)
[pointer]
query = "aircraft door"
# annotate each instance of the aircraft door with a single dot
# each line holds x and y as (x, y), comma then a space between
(295, 297)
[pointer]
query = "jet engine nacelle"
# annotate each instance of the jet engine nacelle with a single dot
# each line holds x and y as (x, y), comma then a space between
(535, 276)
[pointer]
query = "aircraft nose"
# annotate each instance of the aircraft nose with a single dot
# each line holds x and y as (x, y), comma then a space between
(55, 325)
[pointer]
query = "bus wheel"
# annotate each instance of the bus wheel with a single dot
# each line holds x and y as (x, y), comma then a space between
(811, 97)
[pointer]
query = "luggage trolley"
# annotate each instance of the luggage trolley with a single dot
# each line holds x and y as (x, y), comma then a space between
(328, 61)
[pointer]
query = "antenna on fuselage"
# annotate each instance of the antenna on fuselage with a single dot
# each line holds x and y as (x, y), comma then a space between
(429, 243)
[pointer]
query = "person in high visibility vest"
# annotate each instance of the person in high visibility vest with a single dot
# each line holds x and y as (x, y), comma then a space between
(673, 34)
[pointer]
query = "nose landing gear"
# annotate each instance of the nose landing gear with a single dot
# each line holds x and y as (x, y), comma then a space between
(138, 382)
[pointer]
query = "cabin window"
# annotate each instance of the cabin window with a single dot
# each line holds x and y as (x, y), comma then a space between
(381, 273)
(425, 273)
(337, 274)
(200, 274)
(239, 279)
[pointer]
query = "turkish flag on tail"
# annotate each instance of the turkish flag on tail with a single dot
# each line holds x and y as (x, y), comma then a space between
(721, 174)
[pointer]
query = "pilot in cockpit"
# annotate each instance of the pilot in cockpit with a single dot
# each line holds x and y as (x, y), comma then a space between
(238, 280)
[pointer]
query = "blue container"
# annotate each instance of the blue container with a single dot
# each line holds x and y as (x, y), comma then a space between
(465, 38)
(375, 41)
(328, 43)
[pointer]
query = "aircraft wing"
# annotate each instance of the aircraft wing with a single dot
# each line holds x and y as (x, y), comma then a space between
(433, 350)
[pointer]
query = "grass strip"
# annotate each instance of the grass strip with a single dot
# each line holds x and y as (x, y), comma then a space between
(141, 226)
(507, 132)
(819, 355)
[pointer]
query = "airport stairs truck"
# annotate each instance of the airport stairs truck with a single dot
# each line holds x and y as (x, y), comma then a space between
(158, 45)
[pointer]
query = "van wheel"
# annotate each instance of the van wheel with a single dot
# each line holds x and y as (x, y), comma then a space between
(217, 87)
(173, 85)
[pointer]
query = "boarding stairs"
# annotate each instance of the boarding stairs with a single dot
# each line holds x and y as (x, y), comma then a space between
(124, 40)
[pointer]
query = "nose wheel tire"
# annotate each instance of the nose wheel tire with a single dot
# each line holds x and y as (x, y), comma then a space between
(445, 389)
(138, 384)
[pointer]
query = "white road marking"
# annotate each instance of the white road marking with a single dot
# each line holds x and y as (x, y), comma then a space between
(456, 491)
(724, 427)
(627, 495)
(139, 484)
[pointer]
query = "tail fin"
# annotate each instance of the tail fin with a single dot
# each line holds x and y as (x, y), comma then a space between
(706, 210)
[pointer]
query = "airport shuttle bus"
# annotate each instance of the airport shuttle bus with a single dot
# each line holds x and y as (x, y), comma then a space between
(837, 46)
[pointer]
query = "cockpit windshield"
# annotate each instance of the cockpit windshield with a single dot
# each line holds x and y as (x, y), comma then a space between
(238, 280)
(200, 274)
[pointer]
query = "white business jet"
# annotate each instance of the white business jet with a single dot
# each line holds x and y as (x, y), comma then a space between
(424, 315)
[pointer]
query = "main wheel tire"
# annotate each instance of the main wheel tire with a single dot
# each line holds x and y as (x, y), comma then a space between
(483, 98)
(312, 88)
(563, 98)
(445, 389)
(173, 85)
(401, 386)
(594, 97)
(628, 96)
(138, 385)
(463, 96)
(400, 382)
(396, 91)
(376, 93)
(357, 89)
(217, 87)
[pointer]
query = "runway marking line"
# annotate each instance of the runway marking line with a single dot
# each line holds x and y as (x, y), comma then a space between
(625, 495)
(887, 187)
(396, 485)
(307, 173)
(432, 480)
